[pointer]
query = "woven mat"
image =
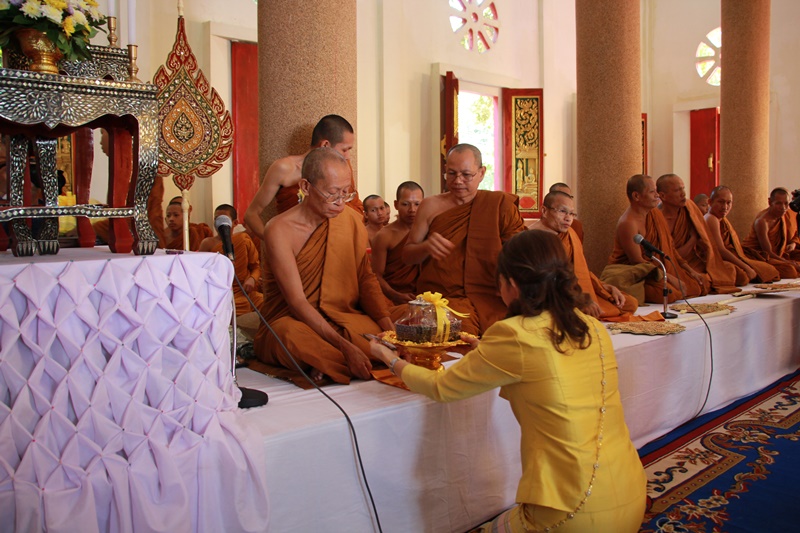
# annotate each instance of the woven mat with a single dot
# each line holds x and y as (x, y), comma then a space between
(702, 309)
(645, 328)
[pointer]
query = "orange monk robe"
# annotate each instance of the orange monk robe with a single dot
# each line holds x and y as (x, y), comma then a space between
(197, 232)
(779, 237)
(400, 276)
(589, 283)
(577, 227)
(337, 281)
(467, 277)
(658, 234)
(703, 257)
(766, 272)
(245, 264)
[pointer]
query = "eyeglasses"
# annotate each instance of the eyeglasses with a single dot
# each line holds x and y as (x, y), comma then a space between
(331, 199)
(466, 176)
(563, 211)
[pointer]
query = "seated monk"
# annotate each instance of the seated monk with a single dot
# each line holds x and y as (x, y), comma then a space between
(603, 300)
(398, 280)
(727, 241)
(773, 235)
(321, 293)
(456, 238)
(174, 233)
(246, 262)
(376, 216)
(577, 225)
(643, 218)
(690, 236)
(281, 182)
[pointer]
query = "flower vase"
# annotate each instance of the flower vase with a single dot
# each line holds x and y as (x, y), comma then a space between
(42, 53)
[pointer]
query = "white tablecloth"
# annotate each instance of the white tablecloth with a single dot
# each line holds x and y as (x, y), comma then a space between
(446, 467)
(118, 411)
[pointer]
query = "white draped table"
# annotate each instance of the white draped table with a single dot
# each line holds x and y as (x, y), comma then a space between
(118, 410)
(446, 467)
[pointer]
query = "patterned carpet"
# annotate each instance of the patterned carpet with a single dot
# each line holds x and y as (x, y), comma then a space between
(733, 470)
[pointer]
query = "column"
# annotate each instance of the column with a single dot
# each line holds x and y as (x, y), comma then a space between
(307, 69)
(744, 108)
(609, 117)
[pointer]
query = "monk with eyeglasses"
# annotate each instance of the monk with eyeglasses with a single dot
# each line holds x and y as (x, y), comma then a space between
(320, 292)
(456, 237)
(603, 300)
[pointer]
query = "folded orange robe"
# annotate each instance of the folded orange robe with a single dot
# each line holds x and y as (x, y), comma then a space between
(246, 263)
(467, 277)
(337, 281)
(779, 237)
(703, 257)
(197, 232)
(589, 283)
(400, 276)
(657, 232)
(766, 272)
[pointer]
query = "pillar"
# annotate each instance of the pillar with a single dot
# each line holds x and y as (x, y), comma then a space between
(307, 69)
(744, 108)
(609, 117)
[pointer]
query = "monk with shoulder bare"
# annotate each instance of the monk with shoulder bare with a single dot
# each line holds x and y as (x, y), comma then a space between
(457, 236)
(283, 176)
(773, 236)
(643, 218)
(398, 280)
(321, 294)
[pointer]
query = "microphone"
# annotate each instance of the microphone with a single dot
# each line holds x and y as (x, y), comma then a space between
(223, 224)
(638, 239)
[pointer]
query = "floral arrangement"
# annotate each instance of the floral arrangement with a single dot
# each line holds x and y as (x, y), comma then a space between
(69, 24)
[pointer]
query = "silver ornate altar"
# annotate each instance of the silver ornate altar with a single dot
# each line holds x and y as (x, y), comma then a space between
(36, 109)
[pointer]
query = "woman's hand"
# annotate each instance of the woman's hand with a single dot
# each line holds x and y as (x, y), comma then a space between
(472, 340)
(381, 352)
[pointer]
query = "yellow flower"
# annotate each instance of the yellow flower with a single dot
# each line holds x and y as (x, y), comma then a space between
(61, 5)
(92, 3)
(69, 26)
(79, 18)
(4, 5)
(32, 9)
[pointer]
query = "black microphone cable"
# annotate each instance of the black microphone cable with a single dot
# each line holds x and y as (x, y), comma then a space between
(710, 345)
(346, 416)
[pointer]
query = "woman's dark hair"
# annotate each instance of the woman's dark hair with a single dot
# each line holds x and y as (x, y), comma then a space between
(537, 262)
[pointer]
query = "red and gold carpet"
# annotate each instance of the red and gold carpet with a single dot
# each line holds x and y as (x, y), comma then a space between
(735, 469)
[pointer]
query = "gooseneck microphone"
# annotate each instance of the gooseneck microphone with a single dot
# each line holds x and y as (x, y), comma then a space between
(647, 245)
(223, 223)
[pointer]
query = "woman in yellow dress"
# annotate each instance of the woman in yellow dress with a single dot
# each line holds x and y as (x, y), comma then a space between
(556, 367)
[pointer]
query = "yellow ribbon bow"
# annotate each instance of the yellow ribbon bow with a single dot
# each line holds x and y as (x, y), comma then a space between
(440, 304)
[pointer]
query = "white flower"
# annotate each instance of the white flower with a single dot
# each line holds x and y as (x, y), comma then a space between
(32, 9)
(80, 19)
(94, 14)
(53, 13)
(4, 4)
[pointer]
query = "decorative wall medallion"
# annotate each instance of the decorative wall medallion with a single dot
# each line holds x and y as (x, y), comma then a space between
(709, 57)
(475, 23)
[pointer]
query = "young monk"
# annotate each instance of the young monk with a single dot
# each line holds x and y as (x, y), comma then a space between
(375, 215)
(174, 233)
(398, 280)
(246, 261)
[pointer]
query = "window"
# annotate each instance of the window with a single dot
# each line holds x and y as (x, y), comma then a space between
(476, 23)
(478, 125)
(709, 56)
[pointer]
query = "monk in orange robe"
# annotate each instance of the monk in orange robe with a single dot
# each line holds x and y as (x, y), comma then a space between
(773, 235)
(690, 236)
(603, 300)
(281, 182)
(577, 225)
(457, 237)
(321, 293)
(246, 263)
(727, 243)
(643, 218)
(174, 234)
(398, 280)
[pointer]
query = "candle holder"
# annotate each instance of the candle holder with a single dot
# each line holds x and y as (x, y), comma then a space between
(113, 38)
(133, 68)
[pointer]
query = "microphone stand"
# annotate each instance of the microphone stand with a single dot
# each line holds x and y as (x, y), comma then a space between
(666, 314)
(250, 397)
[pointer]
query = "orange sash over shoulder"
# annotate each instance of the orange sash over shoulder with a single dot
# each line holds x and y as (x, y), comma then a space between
(337, 281)
(400, 276)
(766, 272)
(589, 283)
(703, 258)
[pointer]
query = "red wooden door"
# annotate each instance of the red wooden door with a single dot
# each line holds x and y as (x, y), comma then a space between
(244, 73)
(449, 119)
(704, 155)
